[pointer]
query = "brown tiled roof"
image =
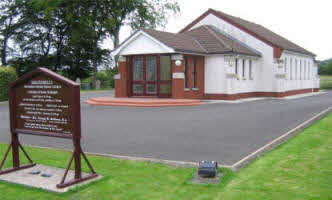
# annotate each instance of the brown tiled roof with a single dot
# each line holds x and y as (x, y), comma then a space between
(215, 41)
(179, 42)
(204, 39)
(255, 29)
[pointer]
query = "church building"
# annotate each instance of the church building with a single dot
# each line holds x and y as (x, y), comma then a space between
(217, 56)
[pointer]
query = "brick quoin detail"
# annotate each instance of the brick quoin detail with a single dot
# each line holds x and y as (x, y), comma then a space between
(177, 84)
(121, 85)
(195, 94)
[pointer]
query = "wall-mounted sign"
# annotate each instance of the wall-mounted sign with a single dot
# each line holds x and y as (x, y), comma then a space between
(178, 75)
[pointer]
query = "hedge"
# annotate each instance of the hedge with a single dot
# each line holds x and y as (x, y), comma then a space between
(7, 75)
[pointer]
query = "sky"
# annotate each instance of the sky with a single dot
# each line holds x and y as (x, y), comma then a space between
(304, 22)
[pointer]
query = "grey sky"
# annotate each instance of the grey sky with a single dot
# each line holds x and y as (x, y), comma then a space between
(304, 22)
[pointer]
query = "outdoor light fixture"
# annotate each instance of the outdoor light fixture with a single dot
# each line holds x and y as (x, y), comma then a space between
(178, 63)
(207, 169)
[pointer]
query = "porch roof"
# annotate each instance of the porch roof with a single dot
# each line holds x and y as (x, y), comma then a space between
(202, 40)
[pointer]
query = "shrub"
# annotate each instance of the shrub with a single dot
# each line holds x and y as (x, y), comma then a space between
(325, 69)
(7, 75)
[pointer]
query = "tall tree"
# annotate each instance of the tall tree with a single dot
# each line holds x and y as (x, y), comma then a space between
(9, 14)
(65, 35)
(139, 14)
(57, 35)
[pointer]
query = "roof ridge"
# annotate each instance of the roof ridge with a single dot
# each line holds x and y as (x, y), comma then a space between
(215, 35)
(270, 37)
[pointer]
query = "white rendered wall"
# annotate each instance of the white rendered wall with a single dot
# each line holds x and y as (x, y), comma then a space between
(215, 75)
(143, 45)
(267, 77)
(218, 72)
(304, 78)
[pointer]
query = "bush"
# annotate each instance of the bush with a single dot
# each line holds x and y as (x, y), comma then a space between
(7, 75)
(325, 69)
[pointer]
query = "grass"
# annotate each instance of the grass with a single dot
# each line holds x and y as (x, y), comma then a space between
(326, 82)
(299, 169)
(94, 90)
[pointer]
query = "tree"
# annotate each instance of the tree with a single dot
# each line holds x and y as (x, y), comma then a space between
(65, 35)
(328, 69)
(139, 14)
(9, 14)
(56, 35)
(325, 69)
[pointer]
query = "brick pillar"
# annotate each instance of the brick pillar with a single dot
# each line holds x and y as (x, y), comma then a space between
(121, 79)
(177, 77)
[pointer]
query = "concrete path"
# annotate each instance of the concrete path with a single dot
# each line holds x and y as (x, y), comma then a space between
(222, 131)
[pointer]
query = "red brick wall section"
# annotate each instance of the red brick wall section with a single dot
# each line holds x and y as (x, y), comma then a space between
(177, 84)
(257, 94)
(191, 93)
(121, 85)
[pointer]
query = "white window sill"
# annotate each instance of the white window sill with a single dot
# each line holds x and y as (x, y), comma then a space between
(186, 89)
(195, 89)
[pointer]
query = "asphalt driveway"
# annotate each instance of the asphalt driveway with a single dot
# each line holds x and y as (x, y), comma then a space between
(222, 131)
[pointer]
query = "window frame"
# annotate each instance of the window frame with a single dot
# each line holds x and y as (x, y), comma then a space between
(291, 69)
(301, 70)
(194, 72)
(185, 72)
(243, 68)
(250, 70)
(236, 66)
(296, 70)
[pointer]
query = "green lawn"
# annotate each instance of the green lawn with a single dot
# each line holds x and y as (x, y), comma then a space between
(299, 169)
(94, 90)
(326, 82)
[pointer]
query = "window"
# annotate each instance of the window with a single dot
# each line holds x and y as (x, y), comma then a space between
(250, 70)
(290, 69)
(304, 70)
(194, 72)
(185, 72)
(285, 65)
(309, 75)
(243, 68)
(236, 66)
(300, 69)
(296, 75)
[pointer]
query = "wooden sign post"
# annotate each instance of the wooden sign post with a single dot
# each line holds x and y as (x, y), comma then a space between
(44, 103)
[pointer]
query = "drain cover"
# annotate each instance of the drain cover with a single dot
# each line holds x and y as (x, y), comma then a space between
(46, 175)
(34, 172)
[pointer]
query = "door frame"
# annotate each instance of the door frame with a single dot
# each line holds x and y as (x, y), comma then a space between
(144, 81)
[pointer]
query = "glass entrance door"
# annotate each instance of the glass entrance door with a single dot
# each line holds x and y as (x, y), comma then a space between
(165, 83)
(145, 76)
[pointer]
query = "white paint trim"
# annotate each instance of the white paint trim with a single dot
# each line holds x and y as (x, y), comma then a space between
(141, 32)
(177, 57)
(297, 54)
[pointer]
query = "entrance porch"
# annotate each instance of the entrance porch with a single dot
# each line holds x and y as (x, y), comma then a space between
(160, 75)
